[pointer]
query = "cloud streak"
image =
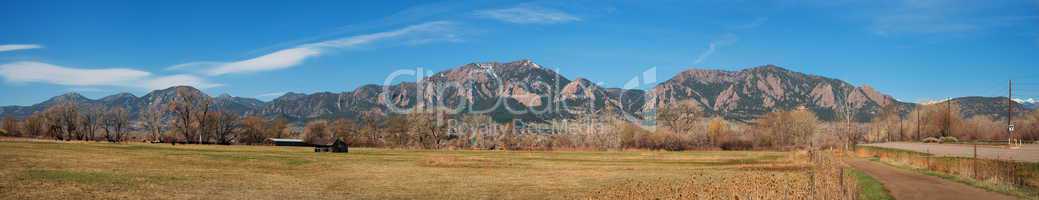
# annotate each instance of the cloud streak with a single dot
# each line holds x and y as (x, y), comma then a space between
(528, 15)
(714, 46)
(270, 95)
(20, 72)
(163, 82)
(38, 72)
(286, 58)
(16, 47)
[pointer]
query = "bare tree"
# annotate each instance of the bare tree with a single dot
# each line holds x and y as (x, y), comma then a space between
(253, 130)
(191, 110)
(680, 116)
(371, 130)
(317, 133)
(507, 138)
(35, 125)
(476, 127)
(397, 131)
(63, 120)
(1030, 126)
(276, 128)
(91, 120)
(346, 130)
(846, 114)
(717, 128)
(787, 128)
(226, 127)
(115, 123)
(10, 125)
(151, 118)
(803, 124)
(428, 130)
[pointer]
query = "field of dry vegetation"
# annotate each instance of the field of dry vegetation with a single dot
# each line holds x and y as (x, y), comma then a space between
(36, 169)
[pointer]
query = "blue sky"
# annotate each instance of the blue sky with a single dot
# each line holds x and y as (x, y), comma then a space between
(914, 50)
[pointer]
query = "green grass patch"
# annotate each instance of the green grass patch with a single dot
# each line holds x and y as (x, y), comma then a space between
(869, 188)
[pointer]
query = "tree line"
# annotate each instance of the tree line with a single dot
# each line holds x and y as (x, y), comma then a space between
(67, 121)
(192, 118)
(944, 120)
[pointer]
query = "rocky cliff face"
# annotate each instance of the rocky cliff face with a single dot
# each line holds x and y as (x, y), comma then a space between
(995, 107)
(749, 93)
(136, 105)
(526, 90)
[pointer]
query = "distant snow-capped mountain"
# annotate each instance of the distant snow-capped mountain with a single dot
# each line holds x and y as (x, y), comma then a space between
(1030, 103)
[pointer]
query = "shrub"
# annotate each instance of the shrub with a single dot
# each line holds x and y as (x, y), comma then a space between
(930, 140)
(739, 143)
(948, 140)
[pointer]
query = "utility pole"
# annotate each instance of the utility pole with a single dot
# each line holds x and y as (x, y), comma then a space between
(901, 135)
(918, 113)
(948, 117)
(1010, 112)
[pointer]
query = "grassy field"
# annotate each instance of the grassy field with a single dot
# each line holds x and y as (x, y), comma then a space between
(870, 188)
(87, 170)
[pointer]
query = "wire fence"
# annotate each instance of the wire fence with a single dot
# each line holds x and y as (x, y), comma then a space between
(1005, 175)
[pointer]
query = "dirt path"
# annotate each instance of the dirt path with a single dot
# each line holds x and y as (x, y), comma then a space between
(1027, 153)
(906, 185)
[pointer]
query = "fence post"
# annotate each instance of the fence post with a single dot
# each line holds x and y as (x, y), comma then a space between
(928, 156)
(974, 163)
(841, 176)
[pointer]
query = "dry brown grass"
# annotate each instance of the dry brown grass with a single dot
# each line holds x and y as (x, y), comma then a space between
(86, 170)
(823, 179)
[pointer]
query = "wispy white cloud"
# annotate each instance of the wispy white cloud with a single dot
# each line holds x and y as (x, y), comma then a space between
(24, 72)
(86, 89)
(278, 60)
(286, 58)
(270, 95)
(177, 80)
(725, 40)
(38, 72)
(528, 15)
(15, 47)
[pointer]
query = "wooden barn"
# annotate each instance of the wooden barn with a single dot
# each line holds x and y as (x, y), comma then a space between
(336, 147)
(287, 142)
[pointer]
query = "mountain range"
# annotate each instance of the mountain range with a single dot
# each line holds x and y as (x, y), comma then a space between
(525, 90)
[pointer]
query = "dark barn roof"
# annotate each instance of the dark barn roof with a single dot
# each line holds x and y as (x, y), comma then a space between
(288, 142)
(338, 147)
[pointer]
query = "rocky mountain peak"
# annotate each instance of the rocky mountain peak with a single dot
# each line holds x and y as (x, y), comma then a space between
(705, 75)
(290, 96)
(71, 95)
(118, 97)
(768, 68)
(741, 95)
(67, 97)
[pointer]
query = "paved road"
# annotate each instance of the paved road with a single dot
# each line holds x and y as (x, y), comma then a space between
(906, 185)
(1027, 153)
